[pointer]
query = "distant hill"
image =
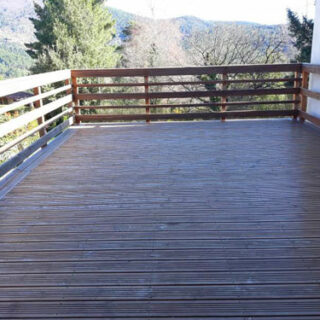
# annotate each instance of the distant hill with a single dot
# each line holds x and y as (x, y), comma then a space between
(16, 30)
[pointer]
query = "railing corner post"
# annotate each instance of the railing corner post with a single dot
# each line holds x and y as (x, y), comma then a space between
(304, 98)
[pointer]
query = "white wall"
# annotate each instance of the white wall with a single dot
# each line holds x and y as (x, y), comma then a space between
(314, 105)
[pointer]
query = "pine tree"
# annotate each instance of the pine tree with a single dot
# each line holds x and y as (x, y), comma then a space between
(72, 34)
(302, 32)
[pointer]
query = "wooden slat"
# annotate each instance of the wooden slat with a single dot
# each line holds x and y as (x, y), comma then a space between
(307, 116)
(20, 157)
(24, 102)
(185, 220)
(310, 94)
(178, 83)
(39, 104)
(61, 279)
(206, 115)
(216, 266)
(11, 86)
(304, 99)
(192, 105)
(192, 94)
(163, 293)
(311, 68)
(26, 118)
(19, 139)
(152, 72)
(149, 309)
(296, 97)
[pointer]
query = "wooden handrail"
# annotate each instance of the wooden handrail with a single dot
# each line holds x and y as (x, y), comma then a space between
(185, 90)
(158, 72)
(286, 78)
(35, 113)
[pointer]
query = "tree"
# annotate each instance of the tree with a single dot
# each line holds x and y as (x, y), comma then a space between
(72, 34)
(156, 43)
(228, 44)
(302, 33)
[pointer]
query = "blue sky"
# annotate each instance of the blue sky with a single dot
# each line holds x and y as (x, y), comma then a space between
(260, 11)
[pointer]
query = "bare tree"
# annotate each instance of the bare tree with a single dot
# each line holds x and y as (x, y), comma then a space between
(156, 43)
(239, 44)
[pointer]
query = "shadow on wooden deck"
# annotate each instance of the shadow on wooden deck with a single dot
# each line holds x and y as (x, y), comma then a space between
(191, 220)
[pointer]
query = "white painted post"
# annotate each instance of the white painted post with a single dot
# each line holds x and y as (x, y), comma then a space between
(314, 105)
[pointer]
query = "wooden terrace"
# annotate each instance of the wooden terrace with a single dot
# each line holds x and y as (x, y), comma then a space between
(162, 220)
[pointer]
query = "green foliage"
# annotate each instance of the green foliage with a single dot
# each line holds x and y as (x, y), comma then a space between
(302, 32)
(72, 34)
(14, 62)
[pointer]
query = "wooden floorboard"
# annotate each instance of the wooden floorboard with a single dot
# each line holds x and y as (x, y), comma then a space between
(181, 220)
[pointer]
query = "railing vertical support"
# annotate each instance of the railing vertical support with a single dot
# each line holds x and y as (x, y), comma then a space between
(224, 99)
(304, 99)
(39, 104)
(75, 90)
(296, 97)
(147, 99)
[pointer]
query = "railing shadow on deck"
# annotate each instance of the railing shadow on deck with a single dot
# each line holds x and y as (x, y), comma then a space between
(63, 98)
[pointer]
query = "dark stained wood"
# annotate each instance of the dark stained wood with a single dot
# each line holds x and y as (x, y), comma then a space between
(147, 99)
(310, 94)
(186, 94)
(192, 105)
(154, 72)
(311, 68)
(304, 98)
(188, 116)
(306, 116)
(189, 220)
(179, 83)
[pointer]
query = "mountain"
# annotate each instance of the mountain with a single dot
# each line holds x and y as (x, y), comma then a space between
(16, 30)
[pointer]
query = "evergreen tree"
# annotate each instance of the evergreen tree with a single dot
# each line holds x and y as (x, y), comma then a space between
(72, 34)
(302, 32)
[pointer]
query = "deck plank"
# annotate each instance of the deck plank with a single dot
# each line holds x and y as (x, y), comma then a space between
(203, 220)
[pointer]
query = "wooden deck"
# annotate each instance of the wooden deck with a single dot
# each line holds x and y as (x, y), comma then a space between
(189, 220)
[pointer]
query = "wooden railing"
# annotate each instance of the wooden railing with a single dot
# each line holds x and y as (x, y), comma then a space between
(58, 99)
(235, 90)
(307, 71)
(50, 103)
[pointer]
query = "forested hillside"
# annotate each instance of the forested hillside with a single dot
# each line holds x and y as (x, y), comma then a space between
(16, 30)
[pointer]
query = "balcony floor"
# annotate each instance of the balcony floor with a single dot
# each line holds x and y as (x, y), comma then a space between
(189, 220)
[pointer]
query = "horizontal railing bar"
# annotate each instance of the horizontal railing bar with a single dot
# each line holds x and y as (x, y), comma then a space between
(11, 86)
(191, 94)
(142, 72)
(176, 83)
(30, 100)
(23, 155)
(186, 116)
(310, 94)
(311, 68)
(14, 142)
(309, 117)
(26, 118)
(190, 105)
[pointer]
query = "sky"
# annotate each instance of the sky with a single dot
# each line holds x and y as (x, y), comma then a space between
(259, 11)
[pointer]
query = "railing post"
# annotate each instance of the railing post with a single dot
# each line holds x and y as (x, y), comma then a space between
(304, 99)
(147, 99)
(75, 91)
(39, 104)
(224, 99)
(296, 97)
